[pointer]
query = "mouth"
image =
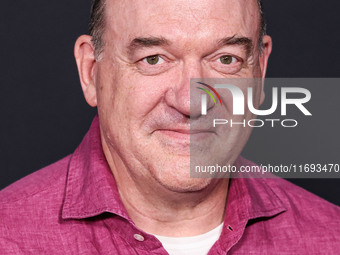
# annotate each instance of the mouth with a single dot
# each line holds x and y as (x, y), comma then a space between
(185, 134)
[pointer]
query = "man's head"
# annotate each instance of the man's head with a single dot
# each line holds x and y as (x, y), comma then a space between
(141, 81)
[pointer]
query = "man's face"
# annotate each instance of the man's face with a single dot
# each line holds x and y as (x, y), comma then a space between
(152, 49)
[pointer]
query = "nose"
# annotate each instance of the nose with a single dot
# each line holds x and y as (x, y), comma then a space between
(184, 95)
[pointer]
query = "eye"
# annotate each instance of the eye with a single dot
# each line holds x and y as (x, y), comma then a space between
(227, 59)
(153, 60)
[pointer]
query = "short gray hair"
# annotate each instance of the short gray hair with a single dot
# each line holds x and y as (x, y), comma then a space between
(97, 25)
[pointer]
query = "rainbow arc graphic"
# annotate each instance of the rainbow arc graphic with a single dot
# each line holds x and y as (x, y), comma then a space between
(204, 97)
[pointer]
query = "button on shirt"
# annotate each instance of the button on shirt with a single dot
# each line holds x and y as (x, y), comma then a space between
(73, 207)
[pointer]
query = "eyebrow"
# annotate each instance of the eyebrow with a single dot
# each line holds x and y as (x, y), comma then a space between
(146, 42)
(234, 40)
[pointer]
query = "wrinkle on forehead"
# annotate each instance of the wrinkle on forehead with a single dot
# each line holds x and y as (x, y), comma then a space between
(195, 18)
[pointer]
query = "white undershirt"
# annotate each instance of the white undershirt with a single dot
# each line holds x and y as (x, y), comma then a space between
(193, 245)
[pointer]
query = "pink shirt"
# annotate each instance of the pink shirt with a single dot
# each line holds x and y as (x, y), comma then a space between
(73, 207)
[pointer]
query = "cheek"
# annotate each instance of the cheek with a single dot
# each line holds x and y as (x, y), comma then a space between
(257, 72)
(257, 93)
(239, 98)
(141, 99)
(130, 97)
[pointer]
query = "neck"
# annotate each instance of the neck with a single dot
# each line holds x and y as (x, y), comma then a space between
(159, 210)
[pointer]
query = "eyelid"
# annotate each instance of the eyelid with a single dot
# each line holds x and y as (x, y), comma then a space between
(147, 69)
(233, 61)
(161, 59)
(231, 68)
(238, 59)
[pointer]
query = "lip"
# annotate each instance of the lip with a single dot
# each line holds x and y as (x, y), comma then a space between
(185, 134)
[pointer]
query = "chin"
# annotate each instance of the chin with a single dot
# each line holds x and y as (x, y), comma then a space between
(173, 173)
(183, 184)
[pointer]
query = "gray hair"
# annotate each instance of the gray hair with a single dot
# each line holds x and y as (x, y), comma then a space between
(97, 25)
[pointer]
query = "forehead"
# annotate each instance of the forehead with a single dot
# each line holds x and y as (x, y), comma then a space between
(195, 19)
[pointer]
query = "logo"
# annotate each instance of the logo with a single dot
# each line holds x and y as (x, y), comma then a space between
(239, 99)
(295, 96)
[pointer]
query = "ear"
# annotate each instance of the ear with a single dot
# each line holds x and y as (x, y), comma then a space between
(267, 49)
(86, 63)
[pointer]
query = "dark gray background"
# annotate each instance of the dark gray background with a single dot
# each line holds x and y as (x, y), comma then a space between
(314, 140)
(44, 115)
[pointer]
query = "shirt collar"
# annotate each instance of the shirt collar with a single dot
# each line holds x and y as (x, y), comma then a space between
(248, 199)
(258, 197)
(91, 189)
